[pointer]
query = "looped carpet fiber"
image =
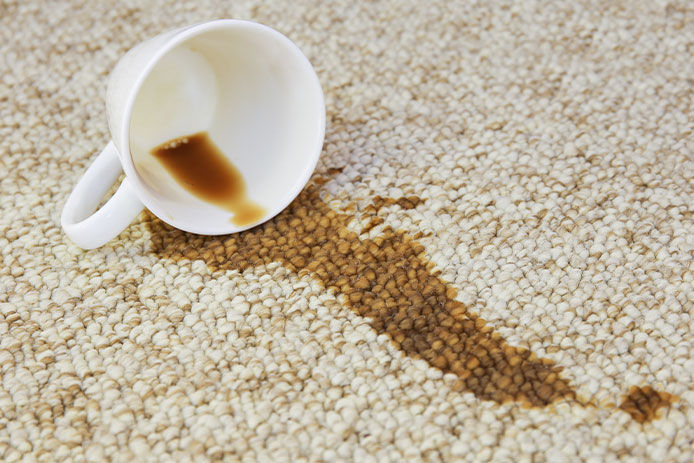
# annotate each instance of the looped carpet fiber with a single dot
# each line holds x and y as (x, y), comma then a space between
(493, 261)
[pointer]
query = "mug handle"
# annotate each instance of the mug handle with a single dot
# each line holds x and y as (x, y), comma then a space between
(87, 227)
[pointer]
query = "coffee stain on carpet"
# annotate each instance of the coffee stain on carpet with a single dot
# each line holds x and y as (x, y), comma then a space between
(644, 403)
(335, 170)
(387, 279)
(405, 202)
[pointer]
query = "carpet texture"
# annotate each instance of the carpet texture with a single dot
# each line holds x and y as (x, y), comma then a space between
(493, 261)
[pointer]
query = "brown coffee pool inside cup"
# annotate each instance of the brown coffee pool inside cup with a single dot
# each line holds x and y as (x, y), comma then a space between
(199, 166)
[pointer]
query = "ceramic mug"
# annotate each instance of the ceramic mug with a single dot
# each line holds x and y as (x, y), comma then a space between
(248, 86)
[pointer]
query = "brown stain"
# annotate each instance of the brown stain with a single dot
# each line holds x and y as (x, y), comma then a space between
(643, 403)
(373, 223)
(405, 202)
(198, 165)
(388, 280)
(335, 170)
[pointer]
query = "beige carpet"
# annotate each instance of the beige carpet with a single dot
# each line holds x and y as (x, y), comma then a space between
(493, 262)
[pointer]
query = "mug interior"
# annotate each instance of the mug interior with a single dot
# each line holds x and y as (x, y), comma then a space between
(260, 102)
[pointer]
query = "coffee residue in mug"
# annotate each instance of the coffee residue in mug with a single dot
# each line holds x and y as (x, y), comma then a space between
(200, 167)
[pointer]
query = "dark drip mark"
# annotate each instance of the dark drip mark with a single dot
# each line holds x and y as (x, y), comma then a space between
(405, 202)
(388, 280)
(335, 170)
(643, 403)
(373, 223)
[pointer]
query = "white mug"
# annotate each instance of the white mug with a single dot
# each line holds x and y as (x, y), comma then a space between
(248, 86)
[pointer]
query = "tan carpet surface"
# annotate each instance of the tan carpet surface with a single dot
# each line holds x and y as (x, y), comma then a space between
(493, 262)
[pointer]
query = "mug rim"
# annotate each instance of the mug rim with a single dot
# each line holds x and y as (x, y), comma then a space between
(178, 38)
